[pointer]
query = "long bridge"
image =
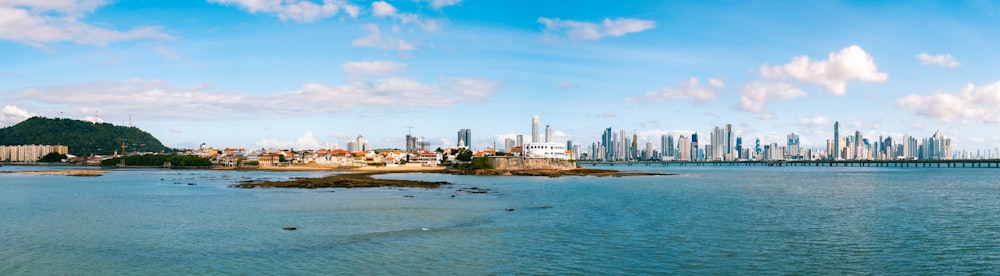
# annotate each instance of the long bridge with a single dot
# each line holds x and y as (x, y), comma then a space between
(964, 163)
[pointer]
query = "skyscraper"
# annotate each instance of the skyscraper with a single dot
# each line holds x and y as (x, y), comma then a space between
(465, 138)
(836, 140)
(667, 147)
(739, 147)
(729, 142)
(684, 146)
(535, 135)
(607, 142)
(411, 143)
(520, 140)
(548, 134)
(694, 147)
(793, 144)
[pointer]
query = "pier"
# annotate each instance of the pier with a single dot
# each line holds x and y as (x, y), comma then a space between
(975, 163)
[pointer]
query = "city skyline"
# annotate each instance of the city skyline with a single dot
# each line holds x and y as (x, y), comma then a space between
(307, 74)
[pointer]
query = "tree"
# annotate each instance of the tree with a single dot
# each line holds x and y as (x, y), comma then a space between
(465, 155)
(53, 157)
(481, 163)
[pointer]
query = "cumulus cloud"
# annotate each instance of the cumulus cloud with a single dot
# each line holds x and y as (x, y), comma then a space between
(384, 9)
(851, 63)
(945, 60)
(37, 23)
(972, 104)
(757, 93)
(372, 67)
(815, 121)
(149, 98)
(381, 8)
(12, 115)
(295, 10)
(376, 40)
(307, 141)
(579, 30)
(690, 89)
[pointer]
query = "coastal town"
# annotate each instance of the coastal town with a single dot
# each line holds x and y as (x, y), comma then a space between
(723, 145)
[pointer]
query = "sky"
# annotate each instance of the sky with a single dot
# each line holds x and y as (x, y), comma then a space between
(305, 74)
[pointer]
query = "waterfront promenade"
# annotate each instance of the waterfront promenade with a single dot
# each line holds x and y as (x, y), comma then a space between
(974, 163)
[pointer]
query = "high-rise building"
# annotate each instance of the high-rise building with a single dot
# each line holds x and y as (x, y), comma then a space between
(667, 147)
(622, 145)
(739, 148)
(684, 147)
(411, 143)
(793, 144)
(358, 145)
(548, 134)
(509, 144)
(465, 138)
(694, 147)
(729, 143)
(607, 143)
(836, 140)
(520, 140)
(648, 154)
(535, 135)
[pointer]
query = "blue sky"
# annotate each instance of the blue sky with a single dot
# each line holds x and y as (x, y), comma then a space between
(304, 74)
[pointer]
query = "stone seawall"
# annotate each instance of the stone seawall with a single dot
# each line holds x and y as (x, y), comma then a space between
(522, 164)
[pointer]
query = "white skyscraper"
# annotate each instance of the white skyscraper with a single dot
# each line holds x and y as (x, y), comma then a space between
(535, 135)
(548, 134)
(684, 146)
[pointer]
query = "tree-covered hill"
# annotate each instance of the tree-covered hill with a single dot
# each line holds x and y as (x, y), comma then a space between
(83, 138)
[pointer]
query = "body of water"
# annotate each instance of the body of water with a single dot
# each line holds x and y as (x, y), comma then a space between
(706, 220)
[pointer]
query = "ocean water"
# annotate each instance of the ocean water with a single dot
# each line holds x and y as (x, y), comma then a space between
(706, 220)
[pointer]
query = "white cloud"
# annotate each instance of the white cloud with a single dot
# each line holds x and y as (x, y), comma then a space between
(383, 9)
(438, 4)
(149, 98)
(971, 104)
(851, 63)
(295, 10)
(757, 93)
(12, 115)
(690, 89)
(307, 141)
(815, 121)
(376, 40)
(470, 90)
(37, 23)
(567, 85)
(93, 119)
(168, 54)
(578, 30)
(372, 67)
(945, 60)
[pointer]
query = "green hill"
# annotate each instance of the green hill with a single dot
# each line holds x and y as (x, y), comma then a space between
(83, 138)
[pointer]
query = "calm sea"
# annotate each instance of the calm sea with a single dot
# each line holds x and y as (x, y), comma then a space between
(707, 220)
